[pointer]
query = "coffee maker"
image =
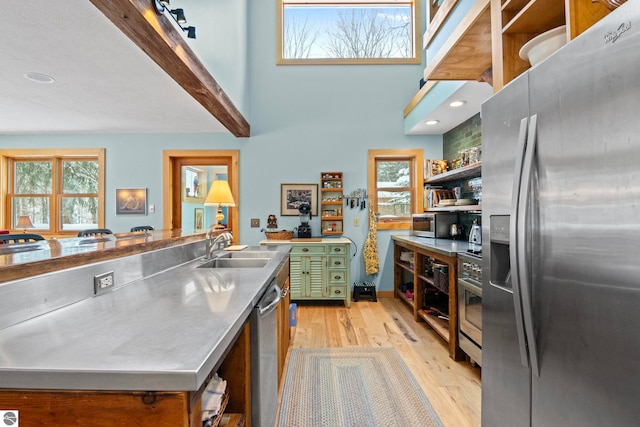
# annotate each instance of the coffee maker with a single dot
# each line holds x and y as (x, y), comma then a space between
(304, 229)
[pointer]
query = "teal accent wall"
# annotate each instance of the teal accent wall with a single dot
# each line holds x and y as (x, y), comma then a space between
(304, 120)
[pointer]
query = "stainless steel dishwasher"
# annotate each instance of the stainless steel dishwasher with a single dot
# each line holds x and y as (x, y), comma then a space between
(264, 359)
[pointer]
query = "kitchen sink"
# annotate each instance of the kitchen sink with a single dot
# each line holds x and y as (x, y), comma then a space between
(247, 254)
(235, 262)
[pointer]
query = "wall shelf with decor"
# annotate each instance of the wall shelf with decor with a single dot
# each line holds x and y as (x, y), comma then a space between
(464, 173)
(331, 199)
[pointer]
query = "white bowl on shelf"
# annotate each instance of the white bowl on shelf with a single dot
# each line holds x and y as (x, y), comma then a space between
(540, 47)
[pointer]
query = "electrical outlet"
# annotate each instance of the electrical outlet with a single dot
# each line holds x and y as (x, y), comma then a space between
(102, 282)
(356, 222)
(255, 222)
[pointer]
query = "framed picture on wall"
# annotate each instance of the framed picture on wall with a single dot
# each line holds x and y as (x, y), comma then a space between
(293, 195)
(131, 201)
(194, 184)
(198, 218)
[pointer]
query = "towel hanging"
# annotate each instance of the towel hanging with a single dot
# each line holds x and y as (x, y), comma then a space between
(370, 250)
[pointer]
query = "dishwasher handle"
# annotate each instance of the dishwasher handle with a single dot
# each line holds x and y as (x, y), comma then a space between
(275, 290)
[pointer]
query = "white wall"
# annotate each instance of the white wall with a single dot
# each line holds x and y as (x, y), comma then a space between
(304, 120)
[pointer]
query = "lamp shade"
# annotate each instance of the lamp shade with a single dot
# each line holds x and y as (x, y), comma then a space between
(219, 194)
(24, 222)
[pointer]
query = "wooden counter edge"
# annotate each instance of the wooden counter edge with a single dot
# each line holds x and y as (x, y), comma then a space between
(29, 269)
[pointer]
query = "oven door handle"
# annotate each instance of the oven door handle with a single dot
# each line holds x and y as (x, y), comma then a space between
(470, 286)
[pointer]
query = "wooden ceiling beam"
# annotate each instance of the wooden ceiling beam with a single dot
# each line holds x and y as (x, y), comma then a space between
(161, 41)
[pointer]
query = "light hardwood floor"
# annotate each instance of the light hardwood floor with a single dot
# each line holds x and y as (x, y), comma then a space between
(453, 388)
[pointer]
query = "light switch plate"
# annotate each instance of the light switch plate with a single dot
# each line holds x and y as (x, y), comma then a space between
(255, 222)
(356, 222)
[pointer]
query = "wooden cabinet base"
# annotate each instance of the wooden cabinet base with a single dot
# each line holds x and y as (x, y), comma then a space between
(98, 408)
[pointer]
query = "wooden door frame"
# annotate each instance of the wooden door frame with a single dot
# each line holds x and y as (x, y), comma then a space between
(172, 194)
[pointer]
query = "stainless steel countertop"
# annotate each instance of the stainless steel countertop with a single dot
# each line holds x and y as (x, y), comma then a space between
(446, 247)
(163, 332)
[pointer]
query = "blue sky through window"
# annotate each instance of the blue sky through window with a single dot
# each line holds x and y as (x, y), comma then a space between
(347, 31)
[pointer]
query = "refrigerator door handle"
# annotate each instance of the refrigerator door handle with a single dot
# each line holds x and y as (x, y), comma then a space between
(513, 244)
(524, 248)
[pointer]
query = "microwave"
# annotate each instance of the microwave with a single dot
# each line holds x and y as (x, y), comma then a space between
(433, 224)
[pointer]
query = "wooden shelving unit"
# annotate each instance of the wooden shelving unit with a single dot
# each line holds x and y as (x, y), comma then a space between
(515, 22)
(412, 272)
(331, 203)
(466, 54)
(439, 325)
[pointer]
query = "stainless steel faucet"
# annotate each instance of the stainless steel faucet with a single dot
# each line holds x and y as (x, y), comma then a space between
(216, 243)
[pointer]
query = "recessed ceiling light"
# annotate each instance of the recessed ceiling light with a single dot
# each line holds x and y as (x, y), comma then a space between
(39, 78)
(432, 122)
(455, 104)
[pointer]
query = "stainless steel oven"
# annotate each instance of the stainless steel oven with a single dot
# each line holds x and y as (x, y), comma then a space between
(470, 305)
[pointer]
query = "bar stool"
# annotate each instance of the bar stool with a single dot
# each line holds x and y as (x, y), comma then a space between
(20, 238)
(141, 228)
(94, 232)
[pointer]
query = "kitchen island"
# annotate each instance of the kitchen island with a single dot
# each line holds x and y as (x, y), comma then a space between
(426, 286)
(140, 353)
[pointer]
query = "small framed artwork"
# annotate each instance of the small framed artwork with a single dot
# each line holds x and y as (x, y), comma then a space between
(198, 218)
(131, 201)
(194, 184)
(293, 195)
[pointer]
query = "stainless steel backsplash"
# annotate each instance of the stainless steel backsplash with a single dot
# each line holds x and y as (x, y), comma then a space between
(24, 299)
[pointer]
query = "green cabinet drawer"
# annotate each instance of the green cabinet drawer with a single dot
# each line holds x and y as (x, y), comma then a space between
(337, 292)
(308, 249)
(337, 262)
(337, 277)
(337, 249)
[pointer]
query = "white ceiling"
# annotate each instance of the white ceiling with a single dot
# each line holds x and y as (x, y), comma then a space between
(103, 82)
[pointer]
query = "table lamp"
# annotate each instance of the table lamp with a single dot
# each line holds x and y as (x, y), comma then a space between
(24, 222)
(219, 195)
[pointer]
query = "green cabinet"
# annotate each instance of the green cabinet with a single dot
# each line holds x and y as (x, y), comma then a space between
(319, 269)
(307, 276)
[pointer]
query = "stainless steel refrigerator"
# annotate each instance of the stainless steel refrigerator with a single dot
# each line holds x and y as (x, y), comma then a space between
(561, 236)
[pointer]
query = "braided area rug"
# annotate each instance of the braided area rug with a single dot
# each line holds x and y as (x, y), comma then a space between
(366, 387)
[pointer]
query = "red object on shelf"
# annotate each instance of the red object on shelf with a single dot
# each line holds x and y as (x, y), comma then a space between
(4, 231)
